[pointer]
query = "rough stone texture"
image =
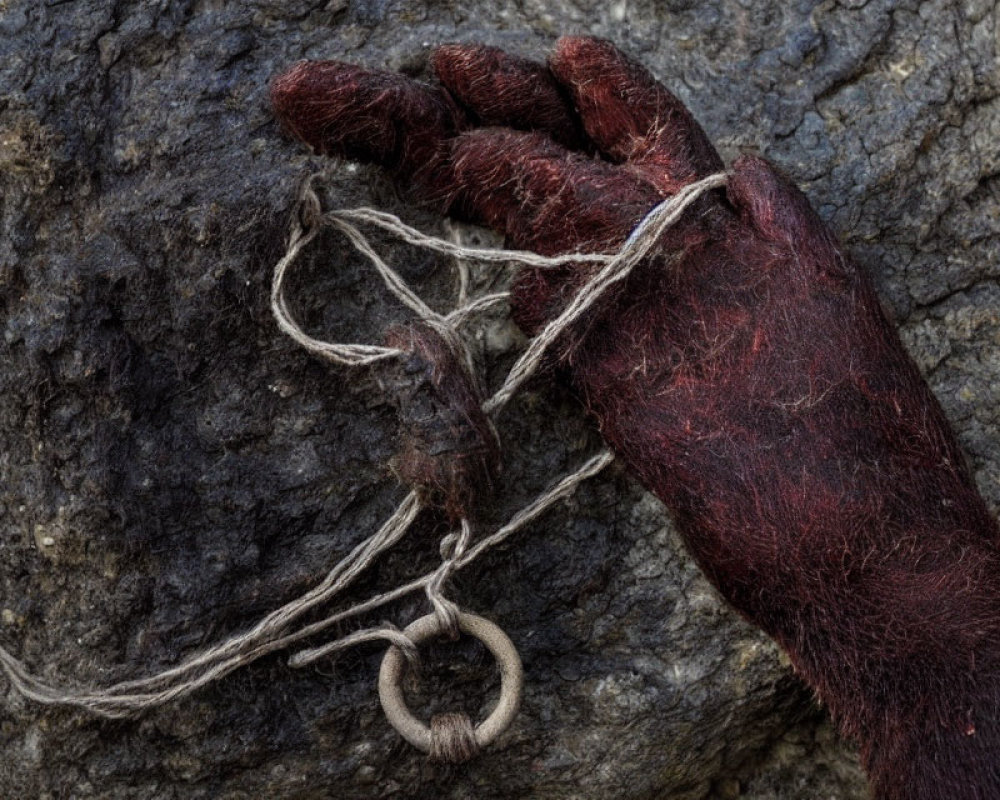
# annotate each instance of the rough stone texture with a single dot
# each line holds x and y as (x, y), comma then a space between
(173, 467)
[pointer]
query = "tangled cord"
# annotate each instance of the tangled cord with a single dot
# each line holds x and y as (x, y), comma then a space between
(451, 739)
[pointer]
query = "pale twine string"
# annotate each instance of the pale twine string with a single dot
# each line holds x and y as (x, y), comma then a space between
(130, 697)
(614, 268)
(559, 491)
(452, 548)
(461, 265)
(127, 697)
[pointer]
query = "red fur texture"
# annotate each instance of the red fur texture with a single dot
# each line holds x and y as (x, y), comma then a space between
(745, 373)
(448, 448)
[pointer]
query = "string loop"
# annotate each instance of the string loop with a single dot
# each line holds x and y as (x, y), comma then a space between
(452, 740)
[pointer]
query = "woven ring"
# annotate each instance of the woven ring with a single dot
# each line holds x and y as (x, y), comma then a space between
(496, 641)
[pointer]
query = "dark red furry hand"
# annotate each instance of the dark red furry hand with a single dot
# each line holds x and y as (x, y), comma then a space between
(745, 373)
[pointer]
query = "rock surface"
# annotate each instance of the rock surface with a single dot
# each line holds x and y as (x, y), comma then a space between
(173, 467)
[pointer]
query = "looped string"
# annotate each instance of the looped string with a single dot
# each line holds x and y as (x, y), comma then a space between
(452, 549)
(308, 209)
(350, 354)
(275, 631)
(614, 268)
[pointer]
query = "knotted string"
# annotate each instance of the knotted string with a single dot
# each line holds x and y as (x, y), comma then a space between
(273, 632)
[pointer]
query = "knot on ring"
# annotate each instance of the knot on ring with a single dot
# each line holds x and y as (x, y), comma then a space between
(451, 737)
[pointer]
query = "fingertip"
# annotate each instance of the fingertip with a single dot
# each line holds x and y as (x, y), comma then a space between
(446, 57)
(366, 115)
(287, 92)
(763, 195)
(283, 85)
(573, 46)
(462, 67)
(574, 56)
(769, 200)
(315, 101)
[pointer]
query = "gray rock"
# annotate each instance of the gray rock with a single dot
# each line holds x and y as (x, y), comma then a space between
(173, 468)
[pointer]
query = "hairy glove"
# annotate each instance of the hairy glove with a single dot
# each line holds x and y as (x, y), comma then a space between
(745, 372)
